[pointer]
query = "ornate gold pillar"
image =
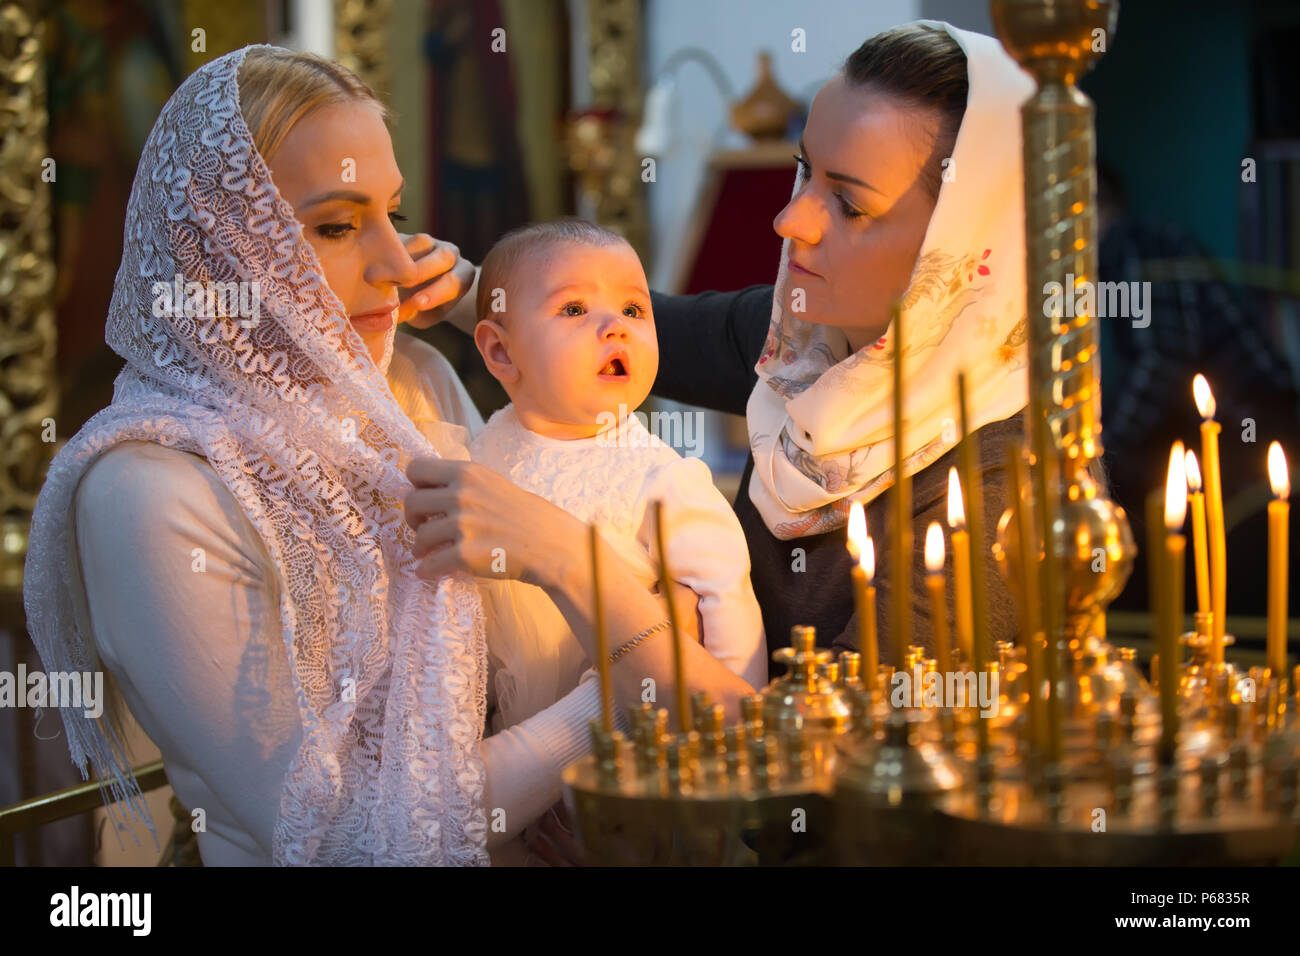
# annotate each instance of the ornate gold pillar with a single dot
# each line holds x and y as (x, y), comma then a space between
(29, 388)
(1057, 42)
(361, 41)
(28, 384)
(614, 47)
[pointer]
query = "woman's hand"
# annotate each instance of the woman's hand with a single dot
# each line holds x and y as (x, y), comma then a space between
(469, 518)
(442, 280)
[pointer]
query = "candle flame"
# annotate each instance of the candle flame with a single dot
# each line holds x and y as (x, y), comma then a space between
(867, 559)
(956, 507)
(1204, 397)
(1277, 471)
(1176, 489)
(1193, 472)
(934, 548)
(857, 527)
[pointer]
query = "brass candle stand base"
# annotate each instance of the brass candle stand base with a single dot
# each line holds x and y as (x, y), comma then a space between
(885, 799)
(773, 811)
(1167, 820)
(914, 786)
(753, 794)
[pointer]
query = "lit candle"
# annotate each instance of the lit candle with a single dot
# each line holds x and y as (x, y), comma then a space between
(1197, 500)
(900, 620)
(1214, 512)
(960, 565)
(1172, 604)
(934, 560)
(602, 645)
(1278, 512)
(684, 717)
(864, 592)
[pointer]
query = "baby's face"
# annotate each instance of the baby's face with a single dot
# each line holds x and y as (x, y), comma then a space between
(582, 337)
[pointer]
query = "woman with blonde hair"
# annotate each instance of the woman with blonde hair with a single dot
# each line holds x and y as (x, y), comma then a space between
(226, 538)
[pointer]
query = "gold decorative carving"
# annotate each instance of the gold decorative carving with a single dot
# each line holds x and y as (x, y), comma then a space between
(614, 43)
(28, 384)
(361, 30)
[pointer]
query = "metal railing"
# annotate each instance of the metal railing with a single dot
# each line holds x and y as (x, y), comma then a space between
(51, 807)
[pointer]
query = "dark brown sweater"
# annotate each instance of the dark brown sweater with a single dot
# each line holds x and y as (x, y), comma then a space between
(708, 346)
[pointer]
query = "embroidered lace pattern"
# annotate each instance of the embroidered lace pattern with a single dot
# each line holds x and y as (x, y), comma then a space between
(597, 480)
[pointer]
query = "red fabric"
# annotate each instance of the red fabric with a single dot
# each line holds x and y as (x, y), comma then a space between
(739, 246)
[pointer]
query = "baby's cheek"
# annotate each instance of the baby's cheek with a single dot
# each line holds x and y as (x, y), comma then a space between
(652, 357)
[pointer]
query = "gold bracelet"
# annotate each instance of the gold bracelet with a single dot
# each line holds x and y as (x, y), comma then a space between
(653, 628)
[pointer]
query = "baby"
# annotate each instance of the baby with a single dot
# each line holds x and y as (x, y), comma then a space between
(564, 324)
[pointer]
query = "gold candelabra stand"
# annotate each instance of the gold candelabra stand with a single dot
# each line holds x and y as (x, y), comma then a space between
(1068, 761)
(824, 770)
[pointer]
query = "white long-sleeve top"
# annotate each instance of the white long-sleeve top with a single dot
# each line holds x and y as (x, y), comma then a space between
(613, 480)
(198, 656)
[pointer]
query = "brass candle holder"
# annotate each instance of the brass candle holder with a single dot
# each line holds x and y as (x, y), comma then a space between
(757, 793)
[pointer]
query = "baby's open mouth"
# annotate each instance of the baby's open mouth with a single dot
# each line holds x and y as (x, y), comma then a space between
(616, 367)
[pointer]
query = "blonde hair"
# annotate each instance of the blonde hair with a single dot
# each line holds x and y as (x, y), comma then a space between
(277, 88)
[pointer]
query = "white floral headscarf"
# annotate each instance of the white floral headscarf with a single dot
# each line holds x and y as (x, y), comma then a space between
(821, 419)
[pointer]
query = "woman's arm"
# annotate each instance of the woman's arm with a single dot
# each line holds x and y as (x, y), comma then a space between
(190, 628)
(186, 618)
(443, 277)
(463, 512)
(709, 344)
(523, 762)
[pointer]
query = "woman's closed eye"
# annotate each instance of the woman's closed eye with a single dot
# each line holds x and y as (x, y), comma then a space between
(337, 230)
(850, 211)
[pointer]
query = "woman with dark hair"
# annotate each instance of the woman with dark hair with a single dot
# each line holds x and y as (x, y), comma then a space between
(909, 188)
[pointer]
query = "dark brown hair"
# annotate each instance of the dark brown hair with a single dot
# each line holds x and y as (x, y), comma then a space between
(511, 250)
(925, 68)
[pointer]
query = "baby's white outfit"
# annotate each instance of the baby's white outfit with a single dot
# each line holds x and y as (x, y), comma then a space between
(613, 480)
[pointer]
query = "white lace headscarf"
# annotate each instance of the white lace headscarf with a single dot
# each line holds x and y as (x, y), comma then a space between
(820, 416)
(389, 670)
